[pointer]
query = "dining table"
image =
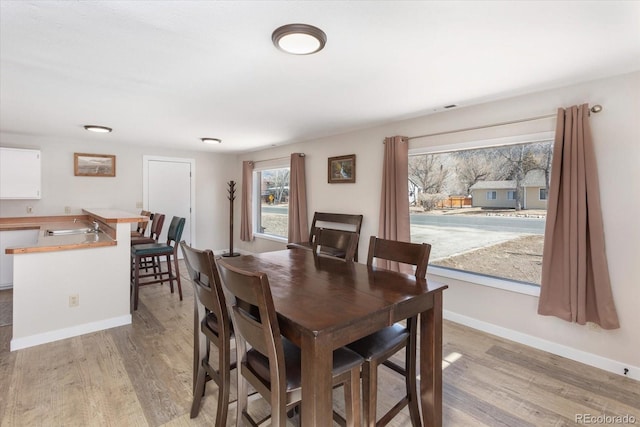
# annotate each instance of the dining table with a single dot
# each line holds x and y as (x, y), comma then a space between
(324, 303)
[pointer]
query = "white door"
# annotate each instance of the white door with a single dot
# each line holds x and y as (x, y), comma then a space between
(169, 188)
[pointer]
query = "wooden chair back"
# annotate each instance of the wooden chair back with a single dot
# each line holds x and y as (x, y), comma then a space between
(142, 225)
(330, 220)
(255, 323)
(336, 243)
(175, 231)
(156, 226)
(416, 254)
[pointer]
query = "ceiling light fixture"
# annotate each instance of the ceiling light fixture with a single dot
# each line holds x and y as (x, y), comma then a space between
(299, 39)
(99, 129)
(211, 140)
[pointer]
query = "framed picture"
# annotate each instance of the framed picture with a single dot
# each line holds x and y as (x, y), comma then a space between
(94, 164)
(342, 169)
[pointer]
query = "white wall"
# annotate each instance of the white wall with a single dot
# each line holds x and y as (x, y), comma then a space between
(60, 188)
(616, 133)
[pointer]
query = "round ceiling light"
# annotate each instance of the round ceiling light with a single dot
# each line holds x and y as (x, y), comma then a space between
(99, 129)
(211, 140)
(299, 39)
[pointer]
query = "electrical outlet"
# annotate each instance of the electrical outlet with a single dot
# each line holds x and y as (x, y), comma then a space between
(29, 209)
(67, 209)
(139, 205)
(74, 300)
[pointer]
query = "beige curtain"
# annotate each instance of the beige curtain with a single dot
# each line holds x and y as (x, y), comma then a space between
(394, 202)
(298, 221)
(246, 227)
(575, 278)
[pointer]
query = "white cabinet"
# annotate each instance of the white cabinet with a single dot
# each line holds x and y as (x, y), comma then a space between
(11, 238)
(20, 176)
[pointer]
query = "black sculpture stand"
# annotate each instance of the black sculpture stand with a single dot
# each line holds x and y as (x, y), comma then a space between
(231, 197)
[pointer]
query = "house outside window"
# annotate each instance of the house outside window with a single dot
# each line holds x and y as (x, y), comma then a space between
(495, 237)
(543, 194)
(271, 202)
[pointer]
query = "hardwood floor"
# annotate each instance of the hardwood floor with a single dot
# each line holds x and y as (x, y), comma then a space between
(140, 375)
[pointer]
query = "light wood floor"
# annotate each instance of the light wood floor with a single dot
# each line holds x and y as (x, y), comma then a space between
(140, 375)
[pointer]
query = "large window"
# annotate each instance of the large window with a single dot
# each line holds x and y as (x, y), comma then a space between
(271, 201)
(478, 209)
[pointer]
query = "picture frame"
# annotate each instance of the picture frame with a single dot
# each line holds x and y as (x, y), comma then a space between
(85, 164)
(342, 169)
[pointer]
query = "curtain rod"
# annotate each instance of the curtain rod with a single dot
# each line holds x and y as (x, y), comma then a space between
(273, 158)
(595, 109)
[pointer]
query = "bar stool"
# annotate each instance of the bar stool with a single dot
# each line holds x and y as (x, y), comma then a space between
(156, 250)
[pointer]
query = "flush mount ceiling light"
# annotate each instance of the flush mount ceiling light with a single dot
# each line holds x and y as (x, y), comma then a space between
(99, 129)
(299, 39)
(211, 140)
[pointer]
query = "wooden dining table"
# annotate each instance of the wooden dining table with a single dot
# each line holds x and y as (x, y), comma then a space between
(324, 303)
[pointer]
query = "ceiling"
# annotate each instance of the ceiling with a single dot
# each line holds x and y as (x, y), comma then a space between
(166, 73)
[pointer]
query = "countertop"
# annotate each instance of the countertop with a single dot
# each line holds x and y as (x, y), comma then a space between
(47, 243)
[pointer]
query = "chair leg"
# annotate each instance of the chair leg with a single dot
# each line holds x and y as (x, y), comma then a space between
(410, 367)
(169, 273)
(352, 398)
(175, 260)
(224, 371)
(198, 390)
(369, 392)
(136, 282)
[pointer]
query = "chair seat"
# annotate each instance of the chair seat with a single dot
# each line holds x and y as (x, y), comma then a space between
(379, 343)
(210, 322)
(151, 249)
(343, 361)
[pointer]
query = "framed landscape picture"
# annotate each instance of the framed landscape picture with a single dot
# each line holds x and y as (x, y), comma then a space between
(342, 169)
(94, 164)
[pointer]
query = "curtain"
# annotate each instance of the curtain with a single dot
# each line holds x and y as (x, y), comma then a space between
(394, 201)
(298, 221)
(575, 278)
(246, 227)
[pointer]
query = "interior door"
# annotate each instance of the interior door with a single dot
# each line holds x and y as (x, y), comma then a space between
(170, 190)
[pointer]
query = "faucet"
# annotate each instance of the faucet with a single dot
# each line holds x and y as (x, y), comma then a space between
(96, 226)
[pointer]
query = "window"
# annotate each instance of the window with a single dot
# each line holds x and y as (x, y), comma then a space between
(271, 202)
(469, 205)
(543, 194)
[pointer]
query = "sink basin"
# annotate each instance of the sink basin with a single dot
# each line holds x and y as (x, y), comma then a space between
(69, 231)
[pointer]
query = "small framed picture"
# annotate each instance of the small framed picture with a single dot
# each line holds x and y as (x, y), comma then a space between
(342, 169)
(94, 164)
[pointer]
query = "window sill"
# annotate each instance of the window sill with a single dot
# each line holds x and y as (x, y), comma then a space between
(271, 237)
(479, 279)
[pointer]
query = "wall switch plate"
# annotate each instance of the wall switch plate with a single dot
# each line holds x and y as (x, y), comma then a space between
(139, 205)
(67, 209)
(74, 300)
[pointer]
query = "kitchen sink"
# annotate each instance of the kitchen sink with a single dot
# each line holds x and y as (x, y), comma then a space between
(70, 231)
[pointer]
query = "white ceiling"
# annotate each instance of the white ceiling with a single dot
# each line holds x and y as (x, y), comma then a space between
(166, 73)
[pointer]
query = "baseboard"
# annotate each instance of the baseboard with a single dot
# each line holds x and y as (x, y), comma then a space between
(548, 346)
(60, 334)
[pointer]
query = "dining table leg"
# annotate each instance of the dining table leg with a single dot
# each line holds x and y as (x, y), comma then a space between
(431, 363)
(317, 363)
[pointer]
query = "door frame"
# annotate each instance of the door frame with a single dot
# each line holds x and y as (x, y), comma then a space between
(145, 186)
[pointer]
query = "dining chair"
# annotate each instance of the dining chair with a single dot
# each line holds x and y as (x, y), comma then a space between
(330, 220)
(273, 363)
(214, 325)
(336, 243)
(377, 348)
(142, 225)
(151, 250)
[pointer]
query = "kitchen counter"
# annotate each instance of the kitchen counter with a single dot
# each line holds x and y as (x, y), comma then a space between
(107, 219)
(69, 285)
